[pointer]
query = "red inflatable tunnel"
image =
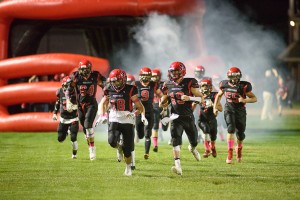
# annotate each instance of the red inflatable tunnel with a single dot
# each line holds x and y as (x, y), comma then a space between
(47, 64)
(42, 64)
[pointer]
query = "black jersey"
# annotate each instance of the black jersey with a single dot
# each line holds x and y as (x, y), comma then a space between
(121, 101)
(233, 92)
(207, 113)
(60, 105)
(175, 91)
(146, 94)
(86, 88)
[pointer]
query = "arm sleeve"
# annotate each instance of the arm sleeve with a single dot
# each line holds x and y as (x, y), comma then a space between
(57, 103)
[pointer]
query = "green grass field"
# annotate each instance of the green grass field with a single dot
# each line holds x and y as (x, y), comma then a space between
(36, 166)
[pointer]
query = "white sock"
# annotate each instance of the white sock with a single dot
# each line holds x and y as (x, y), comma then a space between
(75, 145)
(177, 163)
(133, 158)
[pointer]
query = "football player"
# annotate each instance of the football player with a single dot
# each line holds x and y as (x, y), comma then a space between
(68, 120)
(156, 77)
(207, 120)
(237, 94)
(121, 97)
(85, 82)
(130, 79)
(199, 72)
(182, 92)
(216, 79)
(146, 90)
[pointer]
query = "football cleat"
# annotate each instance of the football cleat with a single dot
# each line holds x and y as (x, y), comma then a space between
(177, 170)
(206, 153)
(155, 149)
(146, 156)
(239, 154)
(128, 171)
(195, 153)
(213, 152)
(92, 151)
(74, 157)
(132, 167)
(229, 157)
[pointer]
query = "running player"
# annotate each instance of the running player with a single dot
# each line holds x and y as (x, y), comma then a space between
(156, 77)
(207, 120)
(237, 94)
(85, 82)
(146, 90)
(182, 92)
(68, 120)
(121, 97)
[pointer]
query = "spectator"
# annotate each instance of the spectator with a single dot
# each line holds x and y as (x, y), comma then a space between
(281, 94)
(269, 90)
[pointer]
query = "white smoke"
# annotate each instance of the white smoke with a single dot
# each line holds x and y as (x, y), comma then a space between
(228, 34)
(159, 43)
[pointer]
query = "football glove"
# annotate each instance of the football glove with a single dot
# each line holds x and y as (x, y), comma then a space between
(144, 120)
(54, 117)
(102, 119)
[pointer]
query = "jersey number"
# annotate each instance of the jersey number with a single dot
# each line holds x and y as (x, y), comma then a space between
(176, 98)
(119, 104)
(84, 91)
(145, 95)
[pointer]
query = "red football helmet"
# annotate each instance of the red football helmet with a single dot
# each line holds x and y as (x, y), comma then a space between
(176, 71)
(85, 67)
(156, 75)
(117, 79)
(199, 71)
(64, 84)
(145, 75)
(130, 79)
(234, 74)
(205, 86)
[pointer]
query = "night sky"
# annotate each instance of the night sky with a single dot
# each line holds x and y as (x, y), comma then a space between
(272, 14)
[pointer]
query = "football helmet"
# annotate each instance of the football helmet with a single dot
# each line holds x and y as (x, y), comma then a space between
(117, 79)
(130, 79)
(199, 71)
(205, 86)
(234, 75)
(64, 83)
(156, 75)
(85, 67)
(145, 75)
(176, 71)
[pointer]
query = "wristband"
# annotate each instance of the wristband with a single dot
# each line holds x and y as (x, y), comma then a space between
(199, 99)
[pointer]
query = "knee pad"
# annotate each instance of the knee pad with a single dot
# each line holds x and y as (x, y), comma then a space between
(112, 141)
(240, 136)
(176, 148)
(61, 138)
(230, 129)
(90, 133)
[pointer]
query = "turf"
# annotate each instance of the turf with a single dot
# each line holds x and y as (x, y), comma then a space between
(36, 166)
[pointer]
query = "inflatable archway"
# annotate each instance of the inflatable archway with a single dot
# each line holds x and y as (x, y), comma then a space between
(42, 64)
(45, 64)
